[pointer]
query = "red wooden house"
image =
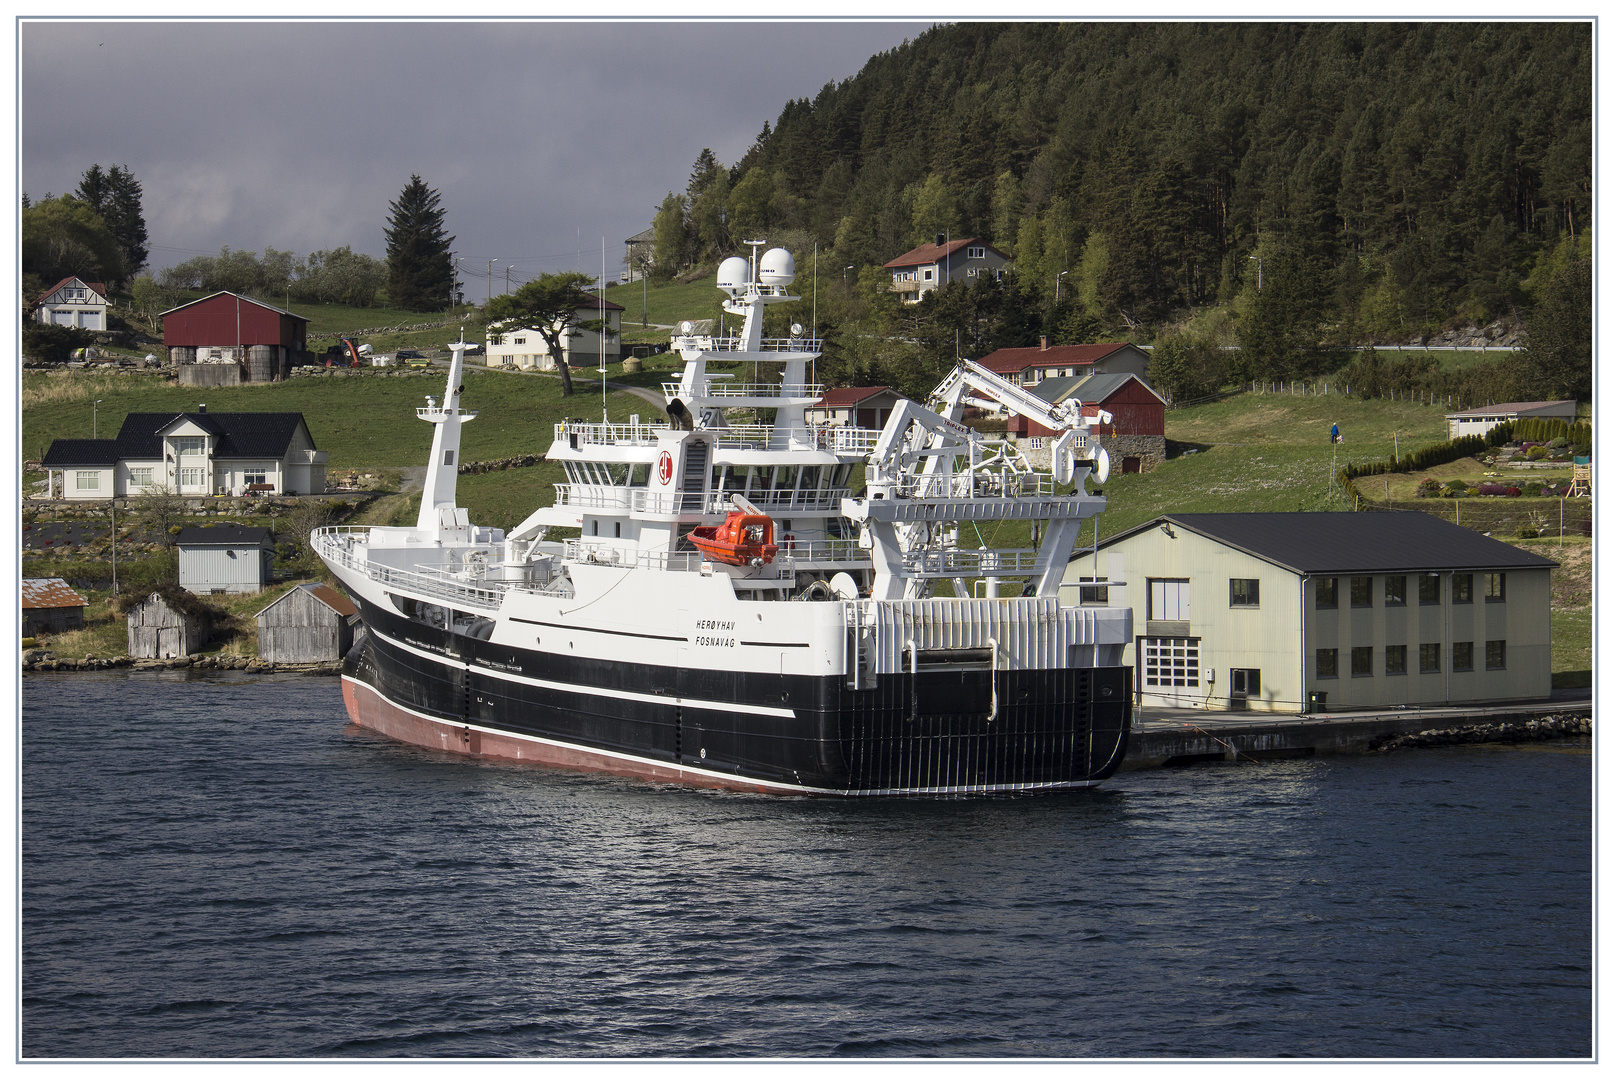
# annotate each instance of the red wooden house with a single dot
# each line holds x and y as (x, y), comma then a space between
(1136, 433)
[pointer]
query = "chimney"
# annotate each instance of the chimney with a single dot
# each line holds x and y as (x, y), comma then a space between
(1045, 343)
(941, 239)
(203, 407)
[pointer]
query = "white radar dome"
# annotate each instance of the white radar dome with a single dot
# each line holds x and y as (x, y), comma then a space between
(778, 268)
(733, 274)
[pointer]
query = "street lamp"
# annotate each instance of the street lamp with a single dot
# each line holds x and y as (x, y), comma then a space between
(490, 279)
(843, 274)
(95, 419)
(1057, 281)
(1256, 259)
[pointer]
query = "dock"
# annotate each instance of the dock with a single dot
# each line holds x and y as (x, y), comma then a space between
(1164, 738)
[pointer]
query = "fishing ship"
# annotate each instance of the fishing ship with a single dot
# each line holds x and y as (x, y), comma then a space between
(745, 596)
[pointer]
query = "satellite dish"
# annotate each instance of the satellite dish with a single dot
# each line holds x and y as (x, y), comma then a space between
(843, 586)
(1101, 471)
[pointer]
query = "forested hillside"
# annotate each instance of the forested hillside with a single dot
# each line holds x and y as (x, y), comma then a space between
(1379, 181)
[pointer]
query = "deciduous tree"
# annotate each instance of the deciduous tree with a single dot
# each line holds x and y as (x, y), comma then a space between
(548, 305)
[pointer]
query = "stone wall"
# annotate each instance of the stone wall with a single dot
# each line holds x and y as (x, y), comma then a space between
(1149, 449)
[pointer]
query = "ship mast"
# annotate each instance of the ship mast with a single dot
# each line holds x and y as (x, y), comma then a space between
(443, 472)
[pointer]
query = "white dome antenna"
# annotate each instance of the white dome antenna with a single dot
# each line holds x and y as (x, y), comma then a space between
(778, 267)
(733, 275)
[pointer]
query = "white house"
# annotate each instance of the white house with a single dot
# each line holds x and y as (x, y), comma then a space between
(73, 302)
(199, 453)
(523, 347)
(1481, 421)
(1302, 612)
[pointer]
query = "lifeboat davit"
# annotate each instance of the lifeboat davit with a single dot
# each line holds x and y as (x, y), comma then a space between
(744, 539)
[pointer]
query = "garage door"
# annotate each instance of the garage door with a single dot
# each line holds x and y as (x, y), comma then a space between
(64, 318)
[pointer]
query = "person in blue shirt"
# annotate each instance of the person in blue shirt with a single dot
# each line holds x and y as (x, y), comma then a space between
(1333, 434)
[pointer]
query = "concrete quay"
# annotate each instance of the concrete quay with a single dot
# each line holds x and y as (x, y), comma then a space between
(1162, 738)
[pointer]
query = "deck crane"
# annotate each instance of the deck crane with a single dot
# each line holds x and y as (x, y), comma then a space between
(928, 472)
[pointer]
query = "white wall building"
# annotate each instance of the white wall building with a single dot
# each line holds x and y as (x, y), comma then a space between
(198, 453)
(1324, 611)
(73, 302)
(525, 348)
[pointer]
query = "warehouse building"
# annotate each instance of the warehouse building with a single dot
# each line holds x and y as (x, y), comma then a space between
(1324, 611)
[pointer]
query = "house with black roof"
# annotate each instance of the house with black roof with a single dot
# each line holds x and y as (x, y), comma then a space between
(220, 559)
(199, 453)
(1298, 612)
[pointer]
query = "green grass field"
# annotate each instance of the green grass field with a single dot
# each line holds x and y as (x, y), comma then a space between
(362, 421)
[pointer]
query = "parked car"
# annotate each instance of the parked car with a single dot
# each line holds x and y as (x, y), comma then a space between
(475, 350)
(410, 354)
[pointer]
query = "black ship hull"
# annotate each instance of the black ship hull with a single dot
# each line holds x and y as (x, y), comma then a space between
(935, 732)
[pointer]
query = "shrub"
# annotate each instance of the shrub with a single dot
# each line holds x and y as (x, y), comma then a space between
(1536, 453)
(1527, 532)
(1428, 487)
(1456, 489)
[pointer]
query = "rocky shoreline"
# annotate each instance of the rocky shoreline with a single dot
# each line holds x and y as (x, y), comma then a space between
(1542, 728)
(41, 660)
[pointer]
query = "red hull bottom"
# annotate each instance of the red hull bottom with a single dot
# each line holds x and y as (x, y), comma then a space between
(369, 709)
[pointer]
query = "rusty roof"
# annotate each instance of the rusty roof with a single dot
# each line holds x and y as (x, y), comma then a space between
(49, 592)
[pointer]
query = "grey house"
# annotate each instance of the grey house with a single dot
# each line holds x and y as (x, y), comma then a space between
(1323, 611)
(930, 266)
(175, 625)
(309, 625)
(225, 558)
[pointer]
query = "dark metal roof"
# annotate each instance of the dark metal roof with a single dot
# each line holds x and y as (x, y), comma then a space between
(68, 452)
(223, 536)
(1345, 542)
(241, 434)
(1089, 389)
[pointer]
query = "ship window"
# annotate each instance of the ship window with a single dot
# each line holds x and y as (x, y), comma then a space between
(639, 475)
(619, 475)
(761, 478)
(809, 478)
(571, 472)
(786, 480)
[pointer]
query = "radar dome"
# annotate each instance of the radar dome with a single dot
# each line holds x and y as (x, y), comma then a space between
(778, 268)
(733, 274)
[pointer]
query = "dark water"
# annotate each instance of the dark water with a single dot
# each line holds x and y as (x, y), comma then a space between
(221, 868)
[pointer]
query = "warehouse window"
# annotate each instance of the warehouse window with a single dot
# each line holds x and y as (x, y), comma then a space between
(1462, 656)
(1395, 590)
(1244, 592)
(1429, 657)
(1496, 655)
(1361, 661)
(1462, 588)
(1361, 592)
(1327, 592)
(1428, 588)
(1328, 663)
(1395, 659)
(1095, 594)
(1496, 588)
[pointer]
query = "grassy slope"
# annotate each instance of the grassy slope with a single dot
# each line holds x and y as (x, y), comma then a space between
(365, 421)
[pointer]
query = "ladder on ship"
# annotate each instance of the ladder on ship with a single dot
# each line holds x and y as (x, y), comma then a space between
(696, 453)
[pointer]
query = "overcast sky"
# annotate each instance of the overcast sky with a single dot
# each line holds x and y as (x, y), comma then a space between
(542, 137)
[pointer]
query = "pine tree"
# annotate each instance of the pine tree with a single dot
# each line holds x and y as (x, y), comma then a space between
(114, 195)
(420, 270)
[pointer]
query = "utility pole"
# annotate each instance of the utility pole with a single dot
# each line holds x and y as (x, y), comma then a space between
(490, 279)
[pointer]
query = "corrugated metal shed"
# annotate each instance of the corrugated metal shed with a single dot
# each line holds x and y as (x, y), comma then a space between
(228, 319)
(225, 558)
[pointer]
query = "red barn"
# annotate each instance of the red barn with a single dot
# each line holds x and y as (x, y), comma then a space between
(264, 339)
(1031, 365)
(1136, 434)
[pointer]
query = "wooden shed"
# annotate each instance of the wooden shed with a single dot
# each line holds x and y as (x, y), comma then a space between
(310, 624)
(50, 606)
(174, 624)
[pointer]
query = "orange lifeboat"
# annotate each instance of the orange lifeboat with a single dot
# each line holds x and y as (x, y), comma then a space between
(744, 539)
